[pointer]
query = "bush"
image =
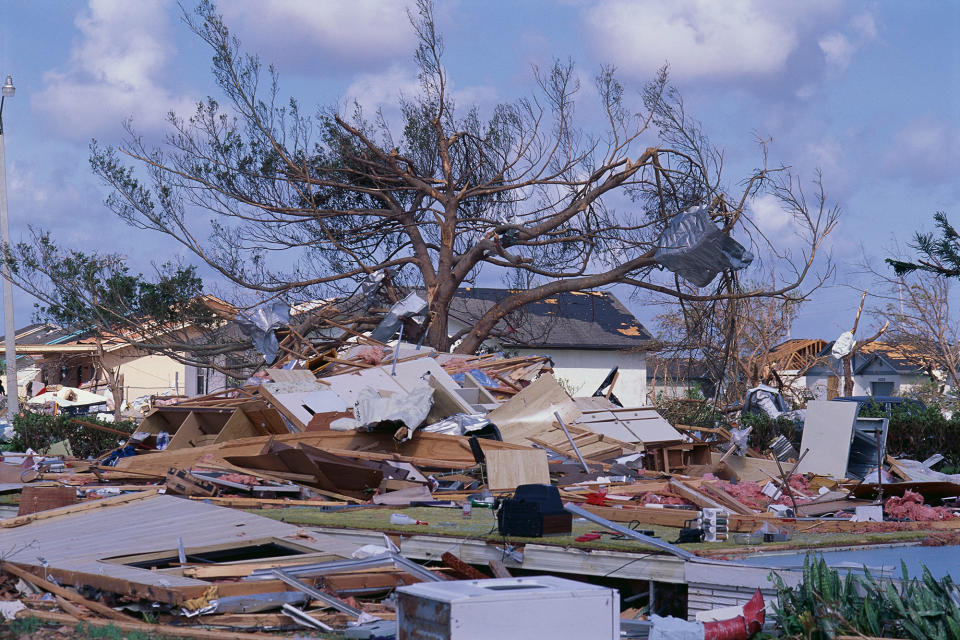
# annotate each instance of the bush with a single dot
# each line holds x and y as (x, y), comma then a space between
(766, 429)
(824, 606)
(918, 434)
(38, 431)
(689, 412)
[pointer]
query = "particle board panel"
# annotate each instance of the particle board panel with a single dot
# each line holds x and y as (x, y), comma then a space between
(827, 433)
(530, 412)
(508, 469)
(237, 426)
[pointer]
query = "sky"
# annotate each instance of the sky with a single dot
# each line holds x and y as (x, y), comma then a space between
(866, 92)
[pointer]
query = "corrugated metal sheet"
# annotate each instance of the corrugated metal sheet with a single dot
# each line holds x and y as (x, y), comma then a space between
(82, 542)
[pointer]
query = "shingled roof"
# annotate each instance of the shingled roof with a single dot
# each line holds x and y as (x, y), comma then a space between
(593, 320)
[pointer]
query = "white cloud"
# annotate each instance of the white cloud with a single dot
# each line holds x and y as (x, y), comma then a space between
(113, 72)
(322, 37)
(697, 37)
(925, 151)
(837, 49)
(705, 39)
(769, 215)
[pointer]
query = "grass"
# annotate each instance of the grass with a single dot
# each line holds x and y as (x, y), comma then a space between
(482, 526)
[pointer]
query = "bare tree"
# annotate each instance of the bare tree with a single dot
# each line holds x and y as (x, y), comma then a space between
(917, 307)
(858, 345)
(730, 339)
(526, 193)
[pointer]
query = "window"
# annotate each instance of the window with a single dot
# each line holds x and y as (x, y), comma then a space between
(881, 388)
(202, 381)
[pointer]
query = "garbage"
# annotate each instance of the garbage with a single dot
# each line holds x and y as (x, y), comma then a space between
(695, 249)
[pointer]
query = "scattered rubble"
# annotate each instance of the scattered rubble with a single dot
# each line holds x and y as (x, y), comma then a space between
(188, 518)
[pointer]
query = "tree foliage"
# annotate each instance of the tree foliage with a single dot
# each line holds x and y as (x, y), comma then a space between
(938, 254)
(96, 295)
(306, 205)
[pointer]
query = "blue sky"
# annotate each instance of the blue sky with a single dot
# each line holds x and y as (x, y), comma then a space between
(868, 92)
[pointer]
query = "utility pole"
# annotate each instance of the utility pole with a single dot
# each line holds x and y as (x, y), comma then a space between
(9, 327)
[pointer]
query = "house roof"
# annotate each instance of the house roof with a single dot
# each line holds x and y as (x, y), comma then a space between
(901, 358)
(593, 320)
(796, 354)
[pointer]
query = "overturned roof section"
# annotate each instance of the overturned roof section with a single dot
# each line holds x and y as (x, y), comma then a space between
(574, 320)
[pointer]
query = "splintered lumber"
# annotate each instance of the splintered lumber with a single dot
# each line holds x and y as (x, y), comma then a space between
(153, 630)
(100, 427)
(693, 495)
(77, 508)
(426, 449)
(60, 592)
(726, 499)
(499, 569)
(461, 568)
(256, 503)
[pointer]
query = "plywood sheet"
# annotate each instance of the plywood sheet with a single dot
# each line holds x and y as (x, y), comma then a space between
(750, 469)
(827, 433)
(300, 403)
(641, 424)
(508, 469)
(530, 412)
(292, 375)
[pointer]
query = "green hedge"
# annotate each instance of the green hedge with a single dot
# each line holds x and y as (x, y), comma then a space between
(38, 431)
(913, 433)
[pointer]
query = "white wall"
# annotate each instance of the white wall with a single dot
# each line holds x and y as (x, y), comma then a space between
(215, 380)
(584, 370)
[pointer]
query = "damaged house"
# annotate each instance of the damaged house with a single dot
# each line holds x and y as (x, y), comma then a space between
(879, 369)
(585, 334)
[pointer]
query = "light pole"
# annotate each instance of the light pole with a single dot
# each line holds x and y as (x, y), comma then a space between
(9, 328)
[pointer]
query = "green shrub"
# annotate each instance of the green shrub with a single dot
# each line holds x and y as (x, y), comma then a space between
(38, 431)
(766, 429)
(824, 606)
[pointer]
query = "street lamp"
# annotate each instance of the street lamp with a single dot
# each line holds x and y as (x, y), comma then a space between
(9, 329)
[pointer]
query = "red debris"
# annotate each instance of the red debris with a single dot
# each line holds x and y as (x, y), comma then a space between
(660, 498)
(911, 507)
(370, 354)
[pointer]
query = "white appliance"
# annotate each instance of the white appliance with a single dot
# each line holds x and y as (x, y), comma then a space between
(508, 609)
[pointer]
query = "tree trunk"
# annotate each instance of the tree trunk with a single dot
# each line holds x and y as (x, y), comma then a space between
(117, 396)
(848, 375)
(437, 331)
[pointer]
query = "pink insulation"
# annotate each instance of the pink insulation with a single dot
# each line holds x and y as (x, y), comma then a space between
(750, 493)
(911, 507)
(370, 354)
(660, 498)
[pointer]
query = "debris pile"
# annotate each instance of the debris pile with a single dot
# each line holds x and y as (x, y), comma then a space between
(161, 523)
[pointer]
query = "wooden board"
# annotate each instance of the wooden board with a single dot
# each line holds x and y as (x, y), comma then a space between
(530, 412)
(508, 469)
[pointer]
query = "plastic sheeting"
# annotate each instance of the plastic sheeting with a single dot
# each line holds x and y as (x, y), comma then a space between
(412, 305)
(843, 345)
(694, 248)
(261, 324)
(409, 409)
(458, 424)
